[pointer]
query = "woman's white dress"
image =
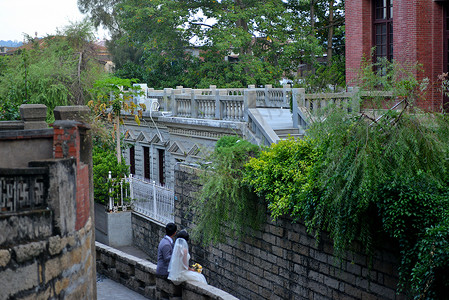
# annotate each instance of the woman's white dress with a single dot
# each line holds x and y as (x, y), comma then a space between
(178, 268)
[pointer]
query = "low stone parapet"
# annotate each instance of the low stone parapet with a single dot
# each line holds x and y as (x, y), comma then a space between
(140, 275)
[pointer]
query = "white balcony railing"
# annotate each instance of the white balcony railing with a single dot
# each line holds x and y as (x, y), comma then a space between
(151, 200)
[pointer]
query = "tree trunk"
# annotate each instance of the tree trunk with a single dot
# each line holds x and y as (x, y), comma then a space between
(242, 24)
(312, 15)
(312, 30)
(119, 154)
(330, 33)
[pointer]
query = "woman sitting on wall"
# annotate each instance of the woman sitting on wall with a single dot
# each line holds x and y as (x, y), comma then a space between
(178, 268)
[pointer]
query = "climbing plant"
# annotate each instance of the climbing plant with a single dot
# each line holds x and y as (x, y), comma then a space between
(226, 206)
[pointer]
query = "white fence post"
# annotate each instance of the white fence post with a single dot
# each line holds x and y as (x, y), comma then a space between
(131, 192)
(111, 201)
(154, 199)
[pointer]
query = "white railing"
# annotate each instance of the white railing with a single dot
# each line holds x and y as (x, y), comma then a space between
(118, 194)
(151, 200)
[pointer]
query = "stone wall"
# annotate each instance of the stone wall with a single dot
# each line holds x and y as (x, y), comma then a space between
(47, 248)
(282, 261)
(140, 276)
(57, 267)
(146, 234)
(43, 254)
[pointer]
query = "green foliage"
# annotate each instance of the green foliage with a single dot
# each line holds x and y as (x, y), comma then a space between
(9, 111)
(360, 178)
(429, 277)
(225, 206)
(279, 172)
(56, 70)
(105, 160)
(325, 77)
(113, 95)
(272, 39)
(414, 211)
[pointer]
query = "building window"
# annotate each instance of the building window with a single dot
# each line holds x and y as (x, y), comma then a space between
(383, 30)
(132, 160)
(161, 154)
(146, 162)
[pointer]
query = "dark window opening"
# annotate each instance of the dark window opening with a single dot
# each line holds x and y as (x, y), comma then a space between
(146, 162)
(132, 160)
(161, 154)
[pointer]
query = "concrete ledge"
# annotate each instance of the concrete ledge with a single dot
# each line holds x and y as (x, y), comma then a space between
(140, 276)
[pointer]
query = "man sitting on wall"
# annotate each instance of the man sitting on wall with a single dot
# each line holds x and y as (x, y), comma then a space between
(164, 251)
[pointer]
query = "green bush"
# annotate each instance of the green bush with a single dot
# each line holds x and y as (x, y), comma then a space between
(104, 160)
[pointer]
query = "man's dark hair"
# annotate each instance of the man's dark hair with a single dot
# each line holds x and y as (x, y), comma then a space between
(183, 234)
(170, 229)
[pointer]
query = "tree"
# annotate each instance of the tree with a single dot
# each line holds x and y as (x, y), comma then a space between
(274, 32)
(112, 95)
(55, 70)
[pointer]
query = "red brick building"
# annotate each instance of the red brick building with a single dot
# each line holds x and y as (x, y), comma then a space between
(408, 31)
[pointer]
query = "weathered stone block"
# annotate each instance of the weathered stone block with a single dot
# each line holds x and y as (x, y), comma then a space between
(52, 269)
(5, 257)
(56, 244)
(33, 112)
(124, 268)
(76, 112)
(61, 285)
(186, 294)
(168, 287)
(21, 279)
(150, 291)
(43, 295)
(29, 251)
(142, 276)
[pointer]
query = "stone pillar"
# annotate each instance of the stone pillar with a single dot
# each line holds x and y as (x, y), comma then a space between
(193, 105)
(33, 116)
(249, 101)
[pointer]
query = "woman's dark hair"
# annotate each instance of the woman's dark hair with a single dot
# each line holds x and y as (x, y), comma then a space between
(183, 234)
(170, 229)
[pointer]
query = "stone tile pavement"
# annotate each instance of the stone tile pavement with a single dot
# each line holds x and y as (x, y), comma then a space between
(108, 289)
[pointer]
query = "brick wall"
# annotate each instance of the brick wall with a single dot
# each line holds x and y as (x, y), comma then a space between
(68, 136)
(417, 36)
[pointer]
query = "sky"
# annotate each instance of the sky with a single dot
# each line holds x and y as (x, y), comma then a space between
(41, 16)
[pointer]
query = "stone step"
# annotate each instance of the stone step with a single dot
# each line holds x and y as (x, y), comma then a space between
(286, 131)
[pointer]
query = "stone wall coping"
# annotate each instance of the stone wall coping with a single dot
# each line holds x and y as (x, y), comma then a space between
(26, 134)
(203, 122)
(207, 290)
(201, 289)
(11, 125)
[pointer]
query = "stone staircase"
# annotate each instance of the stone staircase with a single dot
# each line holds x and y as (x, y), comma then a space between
(287, 132)
(281, 122)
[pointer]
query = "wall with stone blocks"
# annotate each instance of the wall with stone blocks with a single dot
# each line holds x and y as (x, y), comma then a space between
(47, 248)
(140, 276)
(282, 261)
(57, 267)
